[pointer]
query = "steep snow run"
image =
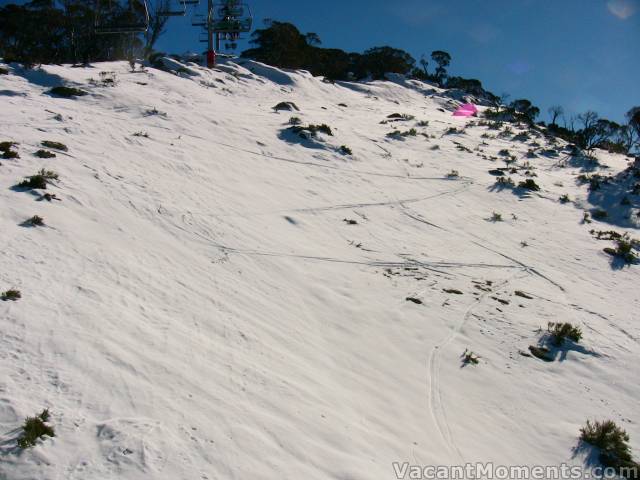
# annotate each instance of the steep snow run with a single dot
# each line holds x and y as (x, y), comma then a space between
(215, 295)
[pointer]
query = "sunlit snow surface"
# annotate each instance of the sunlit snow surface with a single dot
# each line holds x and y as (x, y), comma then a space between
(196, 306)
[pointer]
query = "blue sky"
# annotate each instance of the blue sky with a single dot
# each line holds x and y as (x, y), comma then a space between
(582, 54)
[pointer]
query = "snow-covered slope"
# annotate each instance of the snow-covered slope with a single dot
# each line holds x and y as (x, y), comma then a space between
(197, 307)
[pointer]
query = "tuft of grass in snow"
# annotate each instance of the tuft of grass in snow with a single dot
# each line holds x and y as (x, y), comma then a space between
(453, 131)
(398, 134)
(55, 145)
(5, 146)
(11, 295)
(44, 154)
(7, 152)
(529, 184)
(400, 116)
(155, 112)
(35, 221)
(496, 217)
(35, 428)
(624, 249)
(344, 150)
(505, 182)
(10, 154)
(564, 198)
(312, 130)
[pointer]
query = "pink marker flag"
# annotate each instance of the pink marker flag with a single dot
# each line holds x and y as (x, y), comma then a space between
(466, 110)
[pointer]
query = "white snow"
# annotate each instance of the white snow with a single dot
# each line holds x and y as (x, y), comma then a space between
(196, 307)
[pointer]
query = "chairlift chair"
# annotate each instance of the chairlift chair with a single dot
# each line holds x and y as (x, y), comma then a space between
(171, 8)
(121, 16)
(227, 10)
(232, 18)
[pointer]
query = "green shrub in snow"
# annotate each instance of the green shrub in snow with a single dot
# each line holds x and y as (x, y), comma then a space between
(39, 180)
(613, 443)
(55, 145)
(529, 184)
(67, 92)
(11, 294)
(35, 428)
(45, 154)
(561, 331)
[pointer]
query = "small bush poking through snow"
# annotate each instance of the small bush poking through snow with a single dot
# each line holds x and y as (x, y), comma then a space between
(295, 121)
(398, 134)
(470, 358)
(529, 184)
(453, 174)
(4, 146)
(506, 182)
(10, 154)
(344, 150)
(561, 331)
(39, 180)
(55, 145)
(67, 92)
(45, 154)
(287, 106)
(312, 130)
(508, 131)
(155, 112)
(564, 199)
(400, 116)
(612, 441)
(35, 428)
(496, 217)
(4, 71)
(35, 221)
(11, 295)
(624, 249)
(7, 152)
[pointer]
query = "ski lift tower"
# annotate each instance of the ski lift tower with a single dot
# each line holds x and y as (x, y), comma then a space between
(226, 21)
